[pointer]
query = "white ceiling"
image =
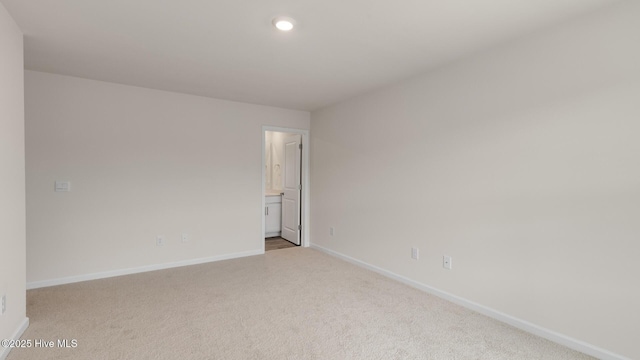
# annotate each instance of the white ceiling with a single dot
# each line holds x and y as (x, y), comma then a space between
(228, 49)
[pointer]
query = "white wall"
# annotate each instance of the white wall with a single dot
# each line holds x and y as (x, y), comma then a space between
(268, 135)
(141, 163)
(275, 155)
(277, 139)
(522, 163)
(278, 159)
(12, 188)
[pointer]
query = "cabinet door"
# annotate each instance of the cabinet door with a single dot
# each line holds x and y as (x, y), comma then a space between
(272, 218)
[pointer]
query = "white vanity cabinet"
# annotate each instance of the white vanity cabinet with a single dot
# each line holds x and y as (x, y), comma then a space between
(272, 215)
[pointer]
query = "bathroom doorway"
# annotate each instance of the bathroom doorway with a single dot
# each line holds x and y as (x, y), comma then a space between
(285, 187)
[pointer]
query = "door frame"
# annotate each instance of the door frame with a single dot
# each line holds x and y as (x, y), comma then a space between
(304, 195)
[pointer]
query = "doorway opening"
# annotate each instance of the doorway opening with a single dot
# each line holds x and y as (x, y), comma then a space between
(285, 188)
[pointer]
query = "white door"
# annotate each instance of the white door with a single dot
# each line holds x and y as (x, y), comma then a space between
(292, 189)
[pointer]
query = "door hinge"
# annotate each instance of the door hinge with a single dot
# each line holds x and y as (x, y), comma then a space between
(300, 146)
(299, 227)
(300, 187)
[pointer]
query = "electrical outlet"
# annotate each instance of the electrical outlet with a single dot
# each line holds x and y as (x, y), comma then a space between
(331, 231)
(184, 237)
(4, 304)
(446, 262)
(415, 253)
(159, 241)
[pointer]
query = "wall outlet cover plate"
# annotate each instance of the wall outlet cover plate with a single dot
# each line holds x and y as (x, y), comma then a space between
(446, 262)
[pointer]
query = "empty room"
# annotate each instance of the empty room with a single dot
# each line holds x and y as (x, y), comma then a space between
(329, 179)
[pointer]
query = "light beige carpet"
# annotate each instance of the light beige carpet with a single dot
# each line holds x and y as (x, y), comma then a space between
(287, 304)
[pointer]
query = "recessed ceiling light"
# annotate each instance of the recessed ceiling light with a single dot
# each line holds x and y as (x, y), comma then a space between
(284, 23)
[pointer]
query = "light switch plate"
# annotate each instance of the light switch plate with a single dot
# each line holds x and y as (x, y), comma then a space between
(62, 186)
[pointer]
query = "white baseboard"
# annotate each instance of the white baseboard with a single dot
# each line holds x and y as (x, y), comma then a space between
(4, 351)
(492, 313)
(113, 273)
